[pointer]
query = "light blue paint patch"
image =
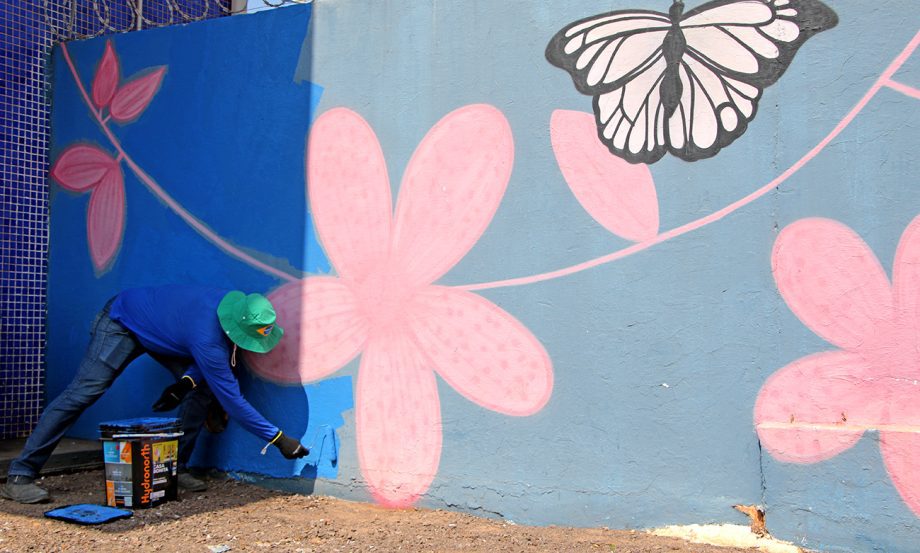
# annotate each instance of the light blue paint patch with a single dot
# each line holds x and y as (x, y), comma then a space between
(315, 260)
(329, 399)
(323, 459)
(311, 413)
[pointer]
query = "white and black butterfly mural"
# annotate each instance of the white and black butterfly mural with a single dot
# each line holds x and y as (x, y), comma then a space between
(684, 83)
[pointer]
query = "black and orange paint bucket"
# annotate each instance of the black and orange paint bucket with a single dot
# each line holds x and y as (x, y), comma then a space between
(141, 461)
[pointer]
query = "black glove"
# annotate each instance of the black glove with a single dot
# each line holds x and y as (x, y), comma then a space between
(173, 394)
(289, 447)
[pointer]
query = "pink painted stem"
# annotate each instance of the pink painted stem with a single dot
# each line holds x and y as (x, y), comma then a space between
(158, 191)
(904, 89)
(883, 80)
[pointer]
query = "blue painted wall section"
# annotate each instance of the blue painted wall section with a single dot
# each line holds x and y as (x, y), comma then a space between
(234, 449)
(224, 137)
(662, 353)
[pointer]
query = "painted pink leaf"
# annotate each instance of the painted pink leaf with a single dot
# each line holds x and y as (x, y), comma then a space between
(907, 279)
(803, 410)
(619, 195)
(901, 451)
(482, 352)
(105, 220)
(322, 331)
(833, 282)
(397, 421)
(132, 98)
(451, 190)
(107, 76)
(81, 167)
(349, 192)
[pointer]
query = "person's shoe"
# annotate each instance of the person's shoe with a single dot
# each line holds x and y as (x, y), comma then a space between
(191, 484)
(23, 489)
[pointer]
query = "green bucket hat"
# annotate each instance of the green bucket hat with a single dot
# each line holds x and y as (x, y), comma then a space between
(249, 321)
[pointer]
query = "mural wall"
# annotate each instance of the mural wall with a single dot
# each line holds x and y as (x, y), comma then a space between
(619, 269)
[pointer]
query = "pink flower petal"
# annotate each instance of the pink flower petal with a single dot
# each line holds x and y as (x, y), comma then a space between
(133, 97)
(833, 282)
(803, 411)
(901, 451)
(81, 167)
(322, 331)
(482, 352)
(105, 220)
(349, 192)
(900, 441)
(398, 421)
(107, 76)
(907, 279)
(619, 195)
(451, 189)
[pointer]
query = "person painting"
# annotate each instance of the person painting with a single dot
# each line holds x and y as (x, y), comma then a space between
(195, 332)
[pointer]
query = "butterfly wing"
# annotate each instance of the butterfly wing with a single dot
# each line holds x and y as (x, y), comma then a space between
(631, 119)
(753, 40)
(604, 52)
(734, 49)
(618, 58)
(728, 52)
(712, 111)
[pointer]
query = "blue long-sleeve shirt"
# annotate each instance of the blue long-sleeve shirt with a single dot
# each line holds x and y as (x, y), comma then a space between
(181, 321)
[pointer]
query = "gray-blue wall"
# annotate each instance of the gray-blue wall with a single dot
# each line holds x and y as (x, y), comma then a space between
(658, 357)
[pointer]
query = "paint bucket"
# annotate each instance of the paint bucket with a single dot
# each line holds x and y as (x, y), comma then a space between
(141, 461)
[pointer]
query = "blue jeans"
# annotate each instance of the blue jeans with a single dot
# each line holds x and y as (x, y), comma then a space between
(112, 347)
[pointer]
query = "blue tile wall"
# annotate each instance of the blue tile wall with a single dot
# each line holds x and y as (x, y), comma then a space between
(28, 29)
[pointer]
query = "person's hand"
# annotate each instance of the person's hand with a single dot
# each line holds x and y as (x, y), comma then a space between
(289, 447)
(173, 394)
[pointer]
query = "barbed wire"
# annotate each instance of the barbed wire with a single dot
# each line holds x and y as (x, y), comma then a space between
(79, 19)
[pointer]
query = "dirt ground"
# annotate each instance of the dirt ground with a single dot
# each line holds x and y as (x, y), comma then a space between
(243, 517)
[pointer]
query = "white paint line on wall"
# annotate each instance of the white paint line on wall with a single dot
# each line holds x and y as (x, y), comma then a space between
(903, 428)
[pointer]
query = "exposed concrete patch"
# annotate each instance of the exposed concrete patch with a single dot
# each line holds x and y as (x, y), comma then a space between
(732, 535)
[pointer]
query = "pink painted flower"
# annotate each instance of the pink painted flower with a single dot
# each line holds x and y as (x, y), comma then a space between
(820, 405)
(384, 304)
